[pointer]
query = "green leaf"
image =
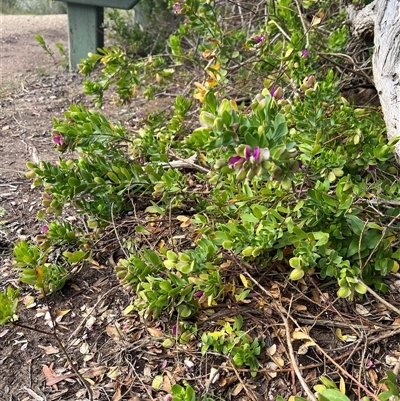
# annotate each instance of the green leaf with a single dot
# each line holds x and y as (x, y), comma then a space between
(251, 140)
(334, 395)
(321, 237)
(249, 218)
(356, 224)
(74, 257)
(157, 382)
(280, 128)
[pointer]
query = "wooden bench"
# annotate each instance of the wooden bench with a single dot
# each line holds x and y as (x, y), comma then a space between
(85, 19)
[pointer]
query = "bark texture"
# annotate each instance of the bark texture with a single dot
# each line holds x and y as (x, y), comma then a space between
(381, 19)
(386, 64)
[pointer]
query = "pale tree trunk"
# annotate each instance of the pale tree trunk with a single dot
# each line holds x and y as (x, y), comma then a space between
(386, 64)
(384, 17)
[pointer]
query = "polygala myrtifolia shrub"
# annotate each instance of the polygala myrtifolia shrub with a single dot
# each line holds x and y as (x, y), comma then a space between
(288, 170)
(291, 167)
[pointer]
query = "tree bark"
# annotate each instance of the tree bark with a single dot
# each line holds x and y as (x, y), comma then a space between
(386, 64)
(381, 19)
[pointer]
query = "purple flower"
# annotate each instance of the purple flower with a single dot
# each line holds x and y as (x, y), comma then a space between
(304, 53)
(177, 7)
(175, 330)
(58, 139)
(370, 364)
(259, 38)
(45, 228)
(253, 156)
(198, 294)
(277, 92)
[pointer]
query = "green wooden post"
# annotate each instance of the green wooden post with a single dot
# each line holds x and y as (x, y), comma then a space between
(85, 18)
(85, 31)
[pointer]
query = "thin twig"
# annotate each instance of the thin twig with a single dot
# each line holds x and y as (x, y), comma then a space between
(247, 390)
(380, 299)
(295, 365)
(76, 331)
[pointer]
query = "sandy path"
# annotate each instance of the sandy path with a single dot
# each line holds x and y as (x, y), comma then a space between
(20, 53)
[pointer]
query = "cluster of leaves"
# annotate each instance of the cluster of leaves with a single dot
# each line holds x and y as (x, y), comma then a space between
(146, 29)
(290, 172)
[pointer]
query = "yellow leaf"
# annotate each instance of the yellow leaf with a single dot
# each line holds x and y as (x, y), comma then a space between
(215, 66)
(342, 385)
(211, 82)
(300, 334)
(395, 267)
(216, 334)
(128, 310)
(345, 337)
(244, 281)
(288, 52)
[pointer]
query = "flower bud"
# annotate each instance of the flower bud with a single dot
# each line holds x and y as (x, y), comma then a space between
(241, 174)
(207, 119)
(309, 81)
(296, 274)
(218, 124)
(219, 164)
(277, 93)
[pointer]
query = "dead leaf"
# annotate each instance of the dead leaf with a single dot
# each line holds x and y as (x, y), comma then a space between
(29, 301)
(396, 322)
(226, 381)
(272, 366)
(49, 373)
(303, 349)
(49, 349)
(94, 372)
(236, 391)
(4, 332)
(271, 350)
(5, 128)
(186, 221)
(114, 332)
(300, 334)
(299, 307)
(84, 348)
(90, 322)
(362, 310)
(155, 332)
(373, 377)
(167, 384)
(117, 395)
(57, 379)
(391, 360)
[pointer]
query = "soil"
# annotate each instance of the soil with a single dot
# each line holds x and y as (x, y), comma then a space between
(34, 89)
(89, 310)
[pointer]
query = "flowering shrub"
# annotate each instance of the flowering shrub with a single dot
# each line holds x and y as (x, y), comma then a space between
(264, 164)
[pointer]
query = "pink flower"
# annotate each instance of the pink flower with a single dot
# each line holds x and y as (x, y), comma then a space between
(45, 228)
(58, 139)
(259, 38)
(254, 156)
(304, 53)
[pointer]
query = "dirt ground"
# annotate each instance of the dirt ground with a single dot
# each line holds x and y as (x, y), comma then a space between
(35, 89)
